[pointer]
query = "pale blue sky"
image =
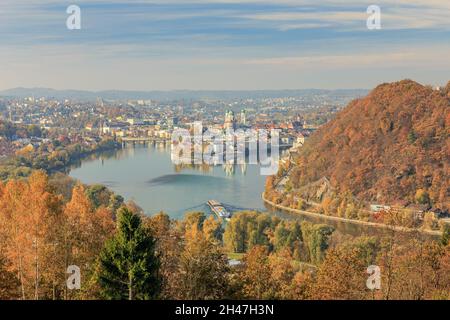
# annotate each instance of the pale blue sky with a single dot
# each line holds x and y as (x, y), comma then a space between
(222, 44)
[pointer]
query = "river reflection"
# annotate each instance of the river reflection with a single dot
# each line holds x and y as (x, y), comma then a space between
(147, 176)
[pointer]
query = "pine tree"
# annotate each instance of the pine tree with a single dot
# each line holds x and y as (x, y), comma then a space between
(128, 266)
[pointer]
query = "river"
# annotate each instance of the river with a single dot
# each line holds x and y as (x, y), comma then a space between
(147, 176)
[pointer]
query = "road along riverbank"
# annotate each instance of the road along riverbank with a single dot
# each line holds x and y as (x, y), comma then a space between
(345, 220)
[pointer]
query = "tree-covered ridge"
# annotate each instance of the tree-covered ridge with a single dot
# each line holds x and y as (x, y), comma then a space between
(384, 148)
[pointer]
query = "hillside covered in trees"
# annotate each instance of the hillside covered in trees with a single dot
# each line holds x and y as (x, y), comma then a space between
(391, 146)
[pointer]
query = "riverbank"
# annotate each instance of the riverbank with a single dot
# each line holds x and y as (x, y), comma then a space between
(345, 220)
(17, 166)
(85, 155)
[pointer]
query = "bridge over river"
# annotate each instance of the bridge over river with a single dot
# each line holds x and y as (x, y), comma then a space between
(143, 140)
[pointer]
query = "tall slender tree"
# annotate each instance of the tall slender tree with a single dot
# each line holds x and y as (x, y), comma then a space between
(128, 266)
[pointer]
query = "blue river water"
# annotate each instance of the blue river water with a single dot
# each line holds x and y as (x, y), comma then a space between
(147, 176)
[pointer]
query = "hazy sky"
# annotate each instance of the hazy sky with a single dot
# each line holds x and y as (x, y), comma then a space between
(222, 44)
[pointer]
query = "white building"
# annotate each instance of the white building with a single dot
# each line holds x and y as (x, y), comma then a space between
(135, 122)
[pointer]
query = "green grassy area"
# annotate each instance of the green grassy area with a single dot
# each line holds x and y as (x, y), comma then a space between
(235, 256)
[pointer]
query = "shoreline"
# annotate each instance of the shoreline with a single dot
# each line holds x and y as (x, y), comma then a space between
(353, 221)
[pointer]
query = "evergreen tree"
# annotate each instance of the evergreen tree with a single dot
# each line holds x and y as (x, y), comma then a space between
(128, 266)
(445, 238)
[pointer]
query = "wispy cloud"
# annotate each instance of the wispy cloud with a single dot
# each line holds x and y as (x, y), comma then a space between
(220, 43)
(417, 57)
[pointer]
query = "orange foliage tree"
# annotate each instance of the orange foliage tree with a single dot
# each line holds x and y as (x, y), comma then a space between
(41, 235)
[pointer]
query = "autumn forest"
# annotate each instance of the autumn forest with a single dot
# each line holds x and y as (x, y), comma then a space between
(123, 254)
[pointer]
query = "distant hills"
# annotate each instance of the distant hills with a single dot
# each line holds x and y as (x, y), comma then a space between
(392, 145)
(172, 95)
